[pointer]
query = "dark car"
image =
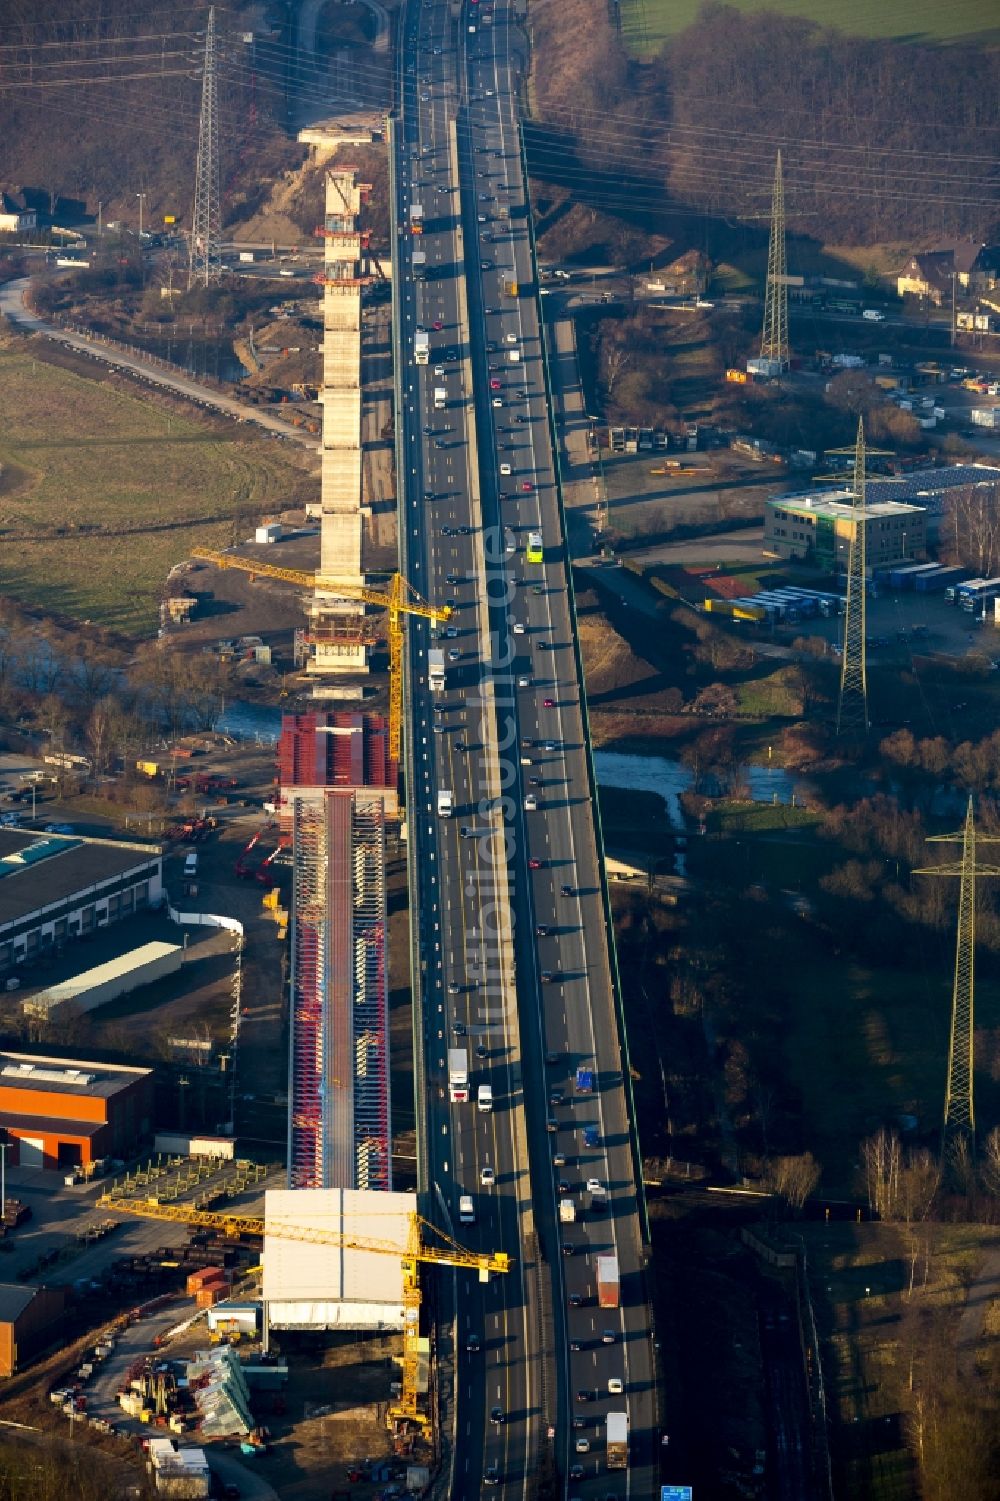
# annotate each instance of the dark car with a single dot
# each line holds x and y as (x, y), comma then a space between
(576, 1300)
(585, 1395)
(496, 1414)
(566, 891)
(542, 930)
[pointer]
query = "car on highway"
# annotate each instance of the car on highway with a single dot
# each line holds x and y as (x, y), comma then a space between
(494, 384)
(458, 1028)
(496, 1414)
(505, 469)
(498, 401)
(591, 1136)
(586, 1394)
(595, 1186)
(487, 1177)
(576, 1472)
(454, 654)
(525, 682)
(559, 1159)
(568, 1248)
(549, 976)
(551, 1125)
(567, 891)
(473, 1343)
(542, 930)
(556, 1097)
(530, 803)
(527, 486)
(549, 745)
(454, 988)
(437, 325)
(548, 703)
(582, 1446)
(518, 627)
(608, 1336)
(482, 1051)
(534, 863)
(615, 1386)
(491, 1475)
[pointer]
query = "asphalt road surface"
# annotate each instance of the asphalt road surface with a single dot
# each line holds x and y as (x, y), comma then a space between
(542, 1361)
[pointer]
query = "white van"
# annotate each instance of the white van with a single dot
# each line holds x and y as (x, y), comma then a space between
(191, 863)
(484, 1097)
(466, 1210)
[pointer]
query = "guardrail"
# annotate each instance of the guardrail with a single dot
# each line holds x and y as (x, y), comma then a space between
(591, 772)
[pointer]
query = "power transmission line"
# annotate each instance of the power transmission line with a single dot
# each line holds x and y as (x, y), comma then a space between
(206, 221)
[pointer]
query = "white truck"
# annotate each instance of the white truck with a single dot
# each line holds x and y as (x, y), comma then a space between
(446, 802)
(484, 1098)
(514, 356)
(419, 263)
(421, 346)
(872, 315)
(440, 398)
(458, 1076)
(435, 670)
(616, 1440)
(567, 1212)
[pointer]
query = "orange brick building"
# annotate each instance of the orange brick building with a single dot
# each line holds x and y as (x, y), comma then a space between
(62, 1113)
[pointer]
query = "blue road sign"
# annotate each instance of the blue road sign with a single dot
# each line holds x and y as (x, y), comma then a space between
(675, 1493)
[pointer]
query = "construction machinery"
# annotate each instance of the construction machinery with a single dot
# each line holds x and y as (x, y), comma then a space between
(417, 1250)
(397, 600)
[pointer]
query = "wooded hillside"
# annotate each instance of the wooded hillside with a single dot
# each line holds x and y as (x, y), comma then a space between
(100, 100)
(881, 140)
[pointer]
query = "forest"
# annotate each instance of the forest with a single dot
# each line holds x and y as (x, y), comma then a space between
(99, 103)
(882, 141)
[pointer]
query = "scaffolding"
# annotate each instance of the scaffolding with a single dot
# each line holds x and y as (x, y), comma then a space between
(338, 634)
(339, 1129)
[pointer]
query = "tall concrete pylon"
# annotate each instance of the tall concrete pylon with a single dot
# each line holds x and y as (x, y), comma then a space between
(337, 626)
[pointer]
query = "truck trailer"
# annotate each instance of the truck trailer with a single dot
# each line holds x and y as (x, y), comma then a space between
(435, 670)
(458, 1076)
(608, 1282)
(616, 1440)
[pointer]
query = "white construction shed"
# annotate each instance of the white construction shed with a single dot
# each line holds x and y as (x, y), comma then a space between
(326, 1284)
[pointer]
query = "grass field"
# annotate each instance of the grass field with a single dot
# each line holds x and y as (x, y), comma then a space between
(647, 24)
(102, 492)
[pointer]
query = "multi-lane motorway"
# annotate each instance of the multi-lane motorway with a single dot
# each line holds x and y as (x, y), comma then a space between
(513, 958)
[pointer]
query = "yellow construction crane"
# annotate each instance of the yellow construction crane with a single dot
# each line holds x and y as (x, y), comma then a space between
(449, 1254)
(398, 599)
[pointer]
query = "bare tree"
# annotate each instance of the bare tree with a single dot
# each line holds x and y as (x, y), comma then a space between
(794, 1178)
(880, 1157)
(990, 1166)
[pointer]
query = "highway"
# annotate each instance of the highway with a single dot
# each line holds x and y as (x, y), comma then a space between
(479, 477)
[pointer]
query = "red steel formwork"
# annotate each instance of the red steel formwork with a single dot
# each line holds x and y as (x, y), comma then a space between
(308, 986)
(334, 748)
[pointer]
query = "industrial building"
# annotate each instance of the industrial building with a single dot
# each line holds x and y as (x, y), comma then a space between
(327, 1284)
(105, 982)
(55, 888)
(929, 488)
(65, 1113)
(338, 1094)
(820, 526)
(27, 1315)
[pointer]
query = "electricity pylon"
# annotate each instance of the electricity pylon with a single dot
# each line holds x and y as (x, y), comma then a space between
(852, 702)
(205, 265)
(774, 339)
(959, 1130)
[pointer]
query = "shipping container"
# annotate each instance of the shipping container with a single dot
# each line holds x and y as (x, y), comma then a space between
(941, 578)
(458, 1075)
